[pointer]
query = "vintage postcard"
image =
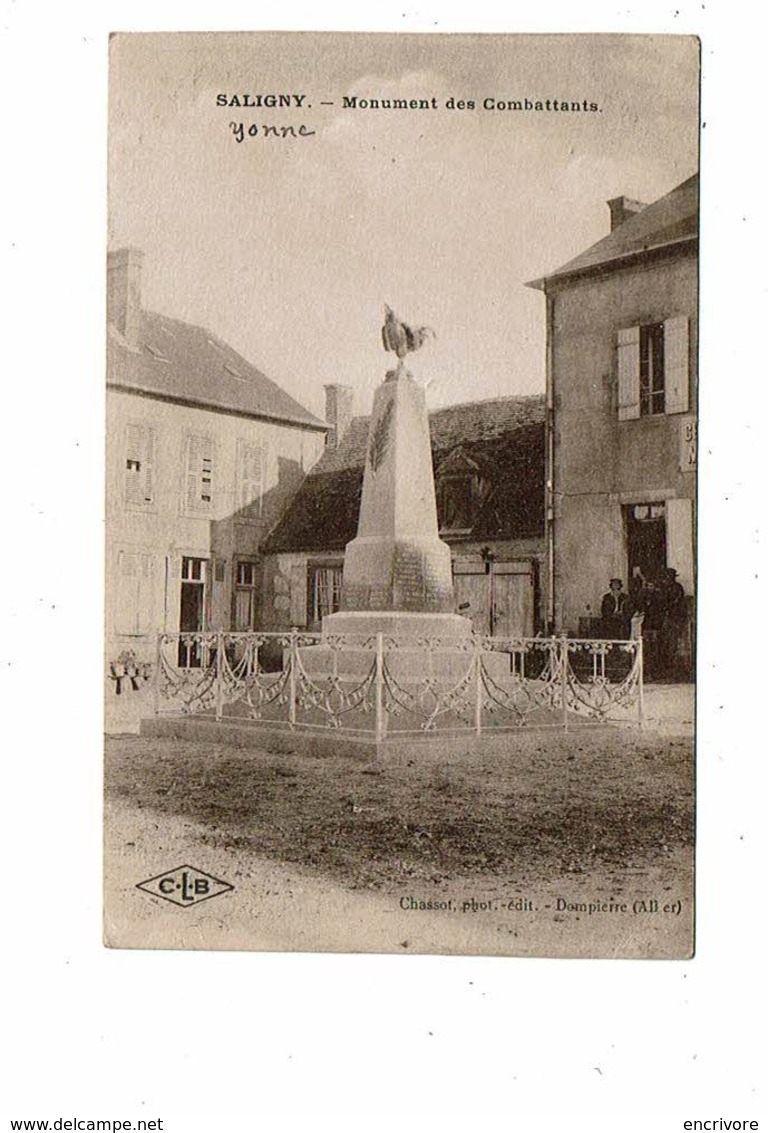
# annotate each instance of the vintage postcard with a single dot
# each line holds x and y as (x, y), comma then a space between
(401, 493)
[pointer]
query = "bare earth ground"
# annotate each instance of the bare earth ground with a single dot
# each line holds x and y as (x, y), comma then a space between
(340, 855)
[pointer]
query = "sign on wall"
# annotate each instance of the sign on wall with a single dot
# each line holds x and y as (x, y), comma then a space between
(688, 444)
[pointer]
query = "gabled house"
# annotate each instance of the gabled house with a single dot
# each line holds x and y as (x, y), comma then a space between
(622, 331)
(488, 461)
(203, 452)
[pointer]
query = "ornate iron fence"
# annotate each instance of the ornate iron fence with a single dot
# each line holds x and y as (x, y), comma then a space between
(379, 686)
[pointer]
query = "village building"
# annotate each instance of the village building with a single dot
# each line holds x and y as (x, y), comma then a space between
(488, 461)
(203, 453)
(621, 411)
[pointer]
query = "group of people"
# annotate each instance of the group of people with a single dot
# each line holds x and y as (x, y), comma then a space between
(654, 609)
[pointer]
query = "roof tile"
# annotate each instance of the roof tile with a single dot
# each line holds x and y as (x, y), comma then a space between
(670, 220)
(183, 362)
(503, 436)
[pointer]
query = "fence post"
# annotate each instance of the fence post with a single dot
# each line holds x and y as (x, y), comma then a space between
(379, 689)
(478, 689)
(564, 679)
(640, 704)
(292, 660)
(156, 682)
(219, 674)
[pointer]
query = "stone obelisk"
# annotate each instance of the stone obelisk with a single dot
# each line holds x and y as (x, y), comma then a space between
(397, 571)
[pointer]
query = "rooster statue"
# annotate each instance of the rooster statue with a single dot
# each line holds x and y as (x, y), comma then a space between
(400, 338)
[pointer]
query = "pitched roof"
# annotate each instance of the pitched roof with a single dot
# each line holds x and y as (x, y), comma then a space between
(503, 436)
(670, 221)
(181, 362)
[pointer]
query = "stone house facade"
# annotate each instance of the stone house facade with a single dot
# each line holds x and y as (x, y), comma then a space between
(622, 336)
(203, 453)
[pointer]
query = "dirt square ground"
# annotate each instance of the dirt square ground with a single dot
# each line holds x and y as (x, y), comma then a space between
(577, 844)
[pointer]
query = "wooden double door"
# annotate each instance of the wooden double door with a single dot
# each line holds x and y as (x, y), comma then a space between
(500, 598)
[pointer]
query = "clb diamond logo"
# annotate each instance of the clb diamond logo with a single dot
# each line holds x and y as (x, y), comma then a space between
(185, 886)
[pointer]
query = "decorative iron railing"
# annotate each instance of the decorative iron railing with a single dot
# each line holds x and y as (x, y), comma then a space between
(379, 686)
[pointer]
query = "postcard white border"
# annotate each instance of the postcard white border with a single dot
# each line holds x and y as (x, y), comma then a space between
(97, 1032)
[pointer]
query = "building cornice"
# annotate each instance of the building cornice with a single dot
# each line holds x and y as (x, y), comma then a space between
(218, 407)
(549, 283)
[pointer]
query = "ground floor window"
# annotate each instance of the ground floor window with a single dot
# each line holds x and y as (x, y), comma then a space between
(323, 592)
(246, 580)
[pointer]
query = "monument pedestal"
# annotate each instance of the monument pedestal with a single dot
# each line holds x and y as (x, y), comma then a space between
(398, 562)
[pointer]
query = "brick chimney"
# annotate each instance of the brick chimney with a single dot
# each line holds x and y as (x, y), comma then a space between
(622, 208)
(124, 292)
(338, 412)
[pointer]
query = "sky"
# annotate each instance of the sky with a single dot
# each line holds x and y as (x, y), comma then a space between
(289, 248)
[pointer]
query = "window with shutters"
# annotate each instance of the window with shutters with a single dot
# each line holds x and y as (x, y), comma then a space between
(653, 369)
(250, 479)
(198, 485)
(139, 469)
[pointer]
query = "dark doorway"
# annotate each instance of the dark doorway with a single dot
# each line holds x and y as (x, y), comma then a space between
(646, 540)
(192, 610)
(646, 561)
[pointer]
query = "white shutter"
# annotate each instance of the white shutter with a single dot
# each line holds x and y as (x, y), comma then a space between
(198, 474)
(628, 358)
(139, 472)
(127, 593)
(206, 473)
(192, 473)
(149, 467)
(250, 471)
(146, 594)
(298, 595)
(676, 365)
(680, 541)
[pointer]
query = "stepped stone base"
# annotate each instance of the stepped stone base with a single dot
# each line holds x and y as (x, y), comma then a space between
(397, 623)
(407, 661)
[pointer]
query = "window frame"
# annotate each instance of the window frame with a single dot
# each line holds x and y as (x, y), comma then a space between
(251, 589)
(451, 482)
(314, 569)
(652, 370)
